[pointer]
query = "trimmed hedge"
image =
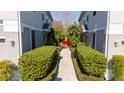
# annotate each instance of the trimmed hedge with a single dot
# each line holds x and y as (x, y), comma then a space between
(51, 76)
(118, 67)
(38, 63)
(91, 62)
(6, 70)
(82, 76)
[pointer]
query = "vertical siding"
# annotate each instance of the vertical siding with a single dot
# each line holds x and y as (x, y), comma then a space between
(32, 18)
(100, 41)
(26, 40)
(97, 24)
(39, 40)
(33, 21)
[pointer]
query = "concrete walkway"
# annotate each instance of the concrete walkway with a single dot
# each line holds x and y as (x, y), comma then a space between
(66, 70)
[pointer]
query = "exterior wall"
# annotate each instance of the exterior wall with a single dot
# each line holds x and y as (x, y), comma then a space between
(116, 33)
(96, 24)
(39, 38)
(112, 50)
(33, 21)
(26, 40)
(9, 30)
(13, 29)
(31, 18)
(100, 41)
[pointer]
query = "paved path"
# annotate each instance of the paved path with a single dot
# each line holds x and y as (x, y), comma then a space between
(66, 70)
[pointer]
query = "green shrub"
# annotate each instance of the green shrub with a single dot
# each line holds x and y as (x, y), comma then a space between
(81, 76)
(51, 76)
(6, 70)
(74, 34)
(36, 64)
(91, 62)
(118, 67)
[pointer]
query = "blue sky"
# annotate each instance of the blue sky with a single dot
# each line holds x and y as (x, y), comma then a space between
(57, 15)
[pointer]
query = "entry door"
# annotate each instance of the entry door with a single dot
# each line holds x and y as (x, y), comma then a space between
(33, 39)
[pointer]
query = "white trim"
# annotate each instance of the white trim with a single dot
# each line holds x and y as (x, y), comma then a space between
(20, 32)
(2, 37)
(31, 27)
(107, 35)
(96, 29)
(95, 39)
(10, 25)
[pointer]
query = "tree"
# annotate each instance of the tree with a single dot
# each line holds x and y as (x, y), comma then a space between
(74, 34)
(67, 19)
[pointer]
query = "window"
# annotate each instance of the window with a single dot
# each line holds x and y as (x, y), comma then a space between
(1, 21)
(94, 13)
(46, 26)
(2, 39)
(1, 25)
(87, 18)
(42, 16)
(85, 26)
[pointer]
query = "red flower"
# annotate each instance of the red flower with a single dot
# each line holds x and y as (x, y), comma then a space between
(67, 42)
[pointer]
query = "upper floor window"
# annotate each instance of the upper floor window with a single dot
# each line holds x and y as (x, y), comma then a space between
(1, 25)
(42, 16)
(1, 21)
(94, 13)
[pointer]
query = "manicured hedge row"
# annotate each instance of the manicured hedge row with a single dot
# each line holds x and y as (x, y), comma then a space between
(54, 68)
(118, 67)
(51, 76)
(6, 70)
(38, 63)
(82, 76)
(92, 62)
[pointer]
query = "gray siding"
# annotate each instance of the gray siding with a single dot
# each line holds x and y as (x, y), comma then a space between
(26, 40)
(100, 41)
(33, 21)
(96, 24)
(39, 38)
(32, 18)
(99, 21)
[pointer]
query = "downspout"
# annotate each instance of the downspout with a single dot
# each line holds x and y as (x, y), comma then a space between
(19, 33)
(107, 35)
(107, 76)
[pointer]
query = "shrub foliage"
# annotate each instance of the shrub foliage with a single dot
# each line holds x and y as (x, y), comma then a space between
(118, 67)
(74, 34)
(91, 62)
(36, 64)
(6, 70)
